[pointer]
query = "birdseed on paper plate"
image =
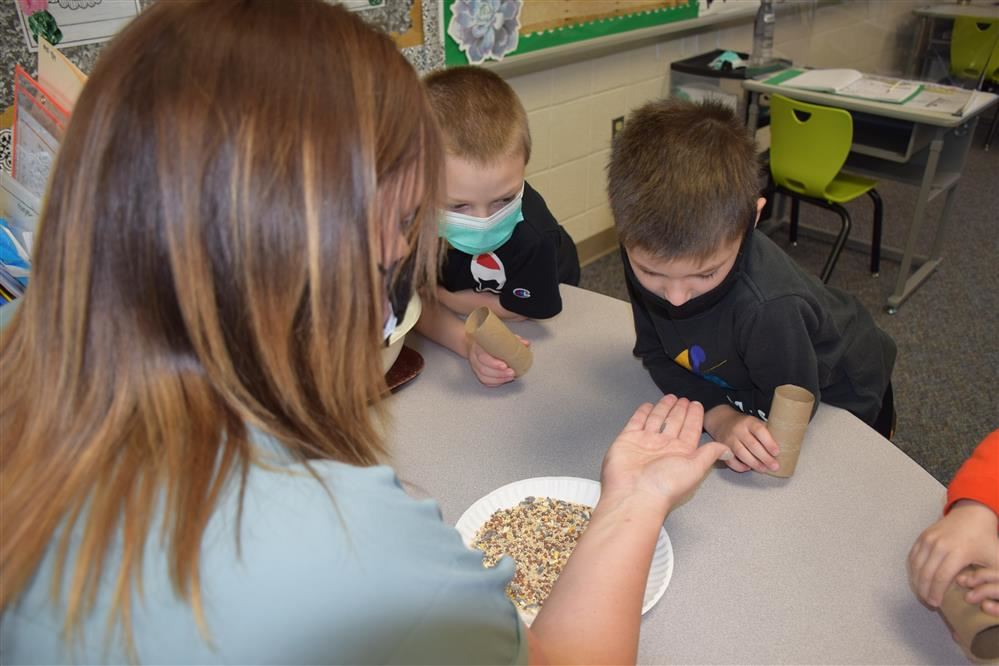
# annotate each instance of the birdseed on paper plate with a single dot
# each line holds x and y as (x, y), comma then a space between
(539, 534)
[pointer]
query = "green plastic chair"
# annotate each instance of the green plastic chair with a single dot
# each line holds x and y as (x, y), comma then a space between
(809, 144)
(974, 44)
(974, 48)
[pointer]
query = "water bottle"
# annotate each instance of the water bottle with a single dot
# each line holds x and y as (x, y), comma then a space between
(763, 34)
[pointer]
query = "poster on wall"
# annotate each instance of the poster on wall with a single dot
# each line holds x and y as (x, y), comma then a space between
(484, 30)
(73, 22)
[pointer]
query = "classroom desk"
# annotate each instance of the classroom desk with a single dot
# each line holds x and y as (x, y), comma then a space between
(952, 10)
(806, 570)
(891, 141)
(925, 43)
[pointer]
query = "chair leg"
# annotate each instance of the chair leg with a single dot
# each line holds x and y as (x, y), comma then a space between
(770, 194)
(876, 232)
(844, 232)
(792, 230)
(992, 130)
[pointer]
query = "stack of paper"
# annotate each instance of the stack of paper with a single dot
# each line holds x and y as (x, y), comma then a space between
(850, 83)
(822, 80)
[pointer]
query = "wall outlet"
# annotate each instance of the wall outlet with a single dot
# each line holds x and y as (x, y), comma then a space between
(617, 125)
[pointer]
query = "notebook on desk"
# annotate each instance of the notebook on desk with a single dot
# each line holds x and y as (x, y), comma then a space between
(849, 83)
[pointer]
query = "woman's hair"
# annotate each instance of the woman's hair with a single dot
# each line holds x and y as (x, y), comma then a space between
(208, 262)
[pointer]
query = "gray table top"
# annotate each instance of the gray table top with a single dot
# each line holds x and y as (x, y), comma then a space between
(805, 570)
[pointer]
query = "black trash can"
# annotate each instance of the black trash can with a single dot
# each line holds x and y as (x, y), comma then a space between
(694, 79)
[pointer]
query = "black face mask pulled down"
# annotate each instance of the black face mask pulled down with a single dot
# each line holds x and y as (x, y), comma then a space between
(694, 306)
(399, 278)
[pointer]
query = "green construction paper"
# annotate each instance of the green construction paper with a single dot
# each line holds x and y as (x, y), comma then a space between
(786, 75)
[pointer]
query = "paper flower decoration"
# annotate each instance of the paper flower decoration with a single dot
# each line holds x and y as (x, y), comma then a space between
(485, 29)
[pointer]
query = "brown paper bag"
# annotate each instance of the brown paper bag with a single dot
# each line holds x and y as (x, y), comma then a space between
(789, 415)
(494, 336)
(977, 631)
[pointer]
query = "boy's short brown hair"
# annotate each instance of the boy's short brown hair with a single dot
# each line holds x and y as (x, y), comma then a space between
(683, 178)
(479, 114)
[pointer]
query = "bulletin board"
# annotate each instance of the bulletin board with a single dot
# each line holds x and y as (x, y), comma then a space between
(520, 26)
(402, 20)
(415, 27)
(413, 24)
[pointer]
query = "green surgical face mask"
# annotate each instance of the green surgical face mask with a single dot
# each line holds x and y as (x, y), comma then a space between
(477, 235)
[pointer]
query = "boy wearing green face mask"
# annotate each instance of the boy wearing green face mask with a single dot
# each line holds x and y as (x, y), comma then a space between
(505, 250)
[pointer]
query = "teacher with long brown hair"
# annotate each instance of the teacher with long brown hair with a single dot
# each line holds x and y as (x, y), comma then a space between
(190, 460)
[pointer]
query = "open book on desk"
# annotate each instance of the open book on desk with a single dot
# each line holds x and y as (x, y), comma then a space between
(850, 83)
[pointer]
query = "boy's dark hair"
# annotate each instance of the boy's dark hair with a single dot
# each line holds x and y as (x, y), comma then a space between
(479, 114)
(683, 178)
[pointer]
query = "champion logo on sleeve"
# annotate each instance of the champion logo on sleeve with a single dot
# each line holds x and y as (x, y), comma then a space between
(520, 292)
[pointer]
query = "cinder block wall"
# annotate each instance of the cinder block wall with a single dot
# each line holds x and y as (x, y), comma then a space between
(572, 107)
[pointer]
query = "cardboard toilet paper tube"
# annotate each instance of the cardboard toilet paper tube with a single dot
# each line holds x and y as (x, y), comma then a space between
(790, 412)
(494, 336)
(977, 631)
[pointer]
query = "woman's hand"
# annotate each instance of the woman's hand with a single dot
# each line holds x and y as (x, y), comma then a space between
(657, 456)
(593, 613)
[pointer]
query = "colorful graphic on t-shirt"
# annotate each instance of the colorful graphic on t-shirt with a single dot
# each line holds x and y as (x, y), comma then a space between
(693, 358)
(488, 271)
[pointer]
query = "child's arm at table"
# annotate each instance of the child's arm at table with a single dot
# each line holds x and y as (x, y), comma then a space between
(441, 325)
(746, 436)
(978, 477)
(967, 534)
(776, 346)
(466, 300)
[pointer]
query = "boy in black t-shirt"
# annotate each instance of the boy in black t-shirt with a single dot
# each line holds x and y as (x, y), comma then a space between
(505, 249)
(723, 315)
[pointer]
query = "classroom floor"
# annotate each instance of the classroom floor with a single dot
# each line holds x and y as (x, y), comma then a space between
(946, 378)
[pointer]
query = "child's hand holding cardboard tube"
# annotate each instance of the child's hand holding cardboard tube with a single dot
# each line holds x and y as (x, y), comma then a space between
(943, 573)
(965, 536)
(771, 447)
(746, 436)
(975, 630)
(488, 369)
(983, 588)
(495, 353)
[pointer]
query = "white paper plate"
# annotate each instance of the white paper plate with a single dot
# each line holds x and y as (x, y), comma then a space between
(569, 489)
